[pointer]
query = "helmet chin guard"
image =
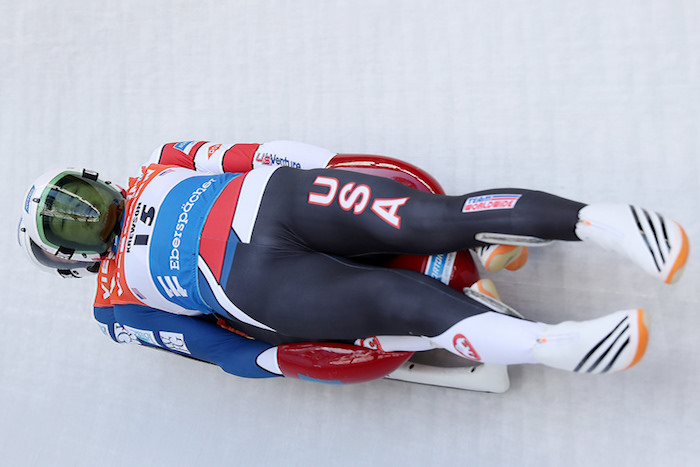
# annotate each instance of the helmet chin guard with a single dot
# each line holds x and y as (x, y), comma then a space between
(73, 215)
(47, 262)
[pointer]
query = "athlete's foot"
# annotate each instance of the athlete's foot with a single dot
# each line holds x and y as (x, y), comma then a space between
(486, 287)
(497, 257)
(611, 343)
(658, 245)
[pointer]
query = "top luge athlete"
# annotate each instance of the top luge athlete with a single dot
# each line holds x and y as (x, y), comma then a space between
(224, 230)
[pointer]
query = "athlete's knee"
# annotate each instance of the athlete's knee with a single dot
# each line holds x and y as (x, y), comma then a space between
(406, 301)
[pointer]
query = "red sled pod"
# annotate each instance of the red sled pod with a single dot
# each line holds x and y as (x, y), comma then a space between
(387, 167)
(342, 363)
(335, 363)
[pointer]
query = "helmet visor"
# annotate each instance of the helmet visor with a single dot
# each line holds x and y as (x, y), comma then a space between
(79, 214)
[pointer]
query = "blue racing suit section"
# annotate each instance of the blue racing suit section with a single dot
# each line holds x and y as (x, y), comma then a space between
(158, 253)
(195, 337)
(179, 221)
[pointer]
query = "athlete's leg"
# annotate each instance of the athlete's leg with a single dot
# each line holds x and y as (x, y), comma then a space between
(304, 214)
(307, 295)
(310, 295)
(349, 213)
(315, 296)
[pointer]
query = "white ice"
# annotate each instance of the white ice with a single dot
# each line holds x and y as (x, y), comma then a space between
(596, 101)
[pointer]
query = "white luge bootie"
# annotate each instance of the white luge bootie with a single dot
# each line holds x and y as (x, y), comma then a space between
(658, 245)
(612, 343)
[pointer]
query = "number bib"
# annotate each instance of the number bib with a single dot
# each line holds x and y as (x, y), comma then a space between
(157, 259)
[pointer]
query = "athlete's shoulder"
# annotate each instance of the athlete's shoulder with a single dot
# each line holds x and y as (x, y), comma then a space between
(206, 156)
(181, 154)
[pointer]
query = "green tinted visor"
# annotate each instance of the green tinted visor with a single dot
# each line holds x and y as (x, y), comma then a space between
(79, 213)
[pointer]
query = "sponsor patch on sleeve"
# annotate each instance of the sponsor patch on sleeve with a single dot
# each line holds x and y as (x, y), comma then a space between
(490, 202)
(174, 341)
(143, 335)
(104, 328)
(124, 335)
(184, 146)
(212, 150)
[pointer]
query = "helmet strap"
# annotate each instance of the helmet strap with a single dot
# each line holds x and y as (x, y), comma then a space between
(66, 253)
(90, 175)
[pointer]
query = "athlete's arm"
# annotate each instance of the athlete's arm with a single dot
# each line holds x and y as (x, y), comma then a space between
(217, 158)
(203, 340)
(184, 335)
(104, 315)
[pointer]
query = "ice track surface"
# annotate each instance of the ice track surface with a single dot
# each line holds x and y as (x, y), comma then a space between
(590, 100)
